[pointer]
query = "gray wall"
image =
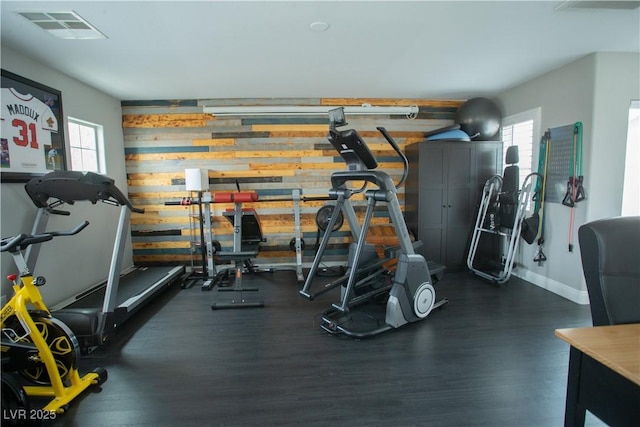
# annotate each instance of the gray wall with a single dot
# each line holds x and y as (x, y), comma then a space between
(617, 83)
(70, 264)
(596, 90)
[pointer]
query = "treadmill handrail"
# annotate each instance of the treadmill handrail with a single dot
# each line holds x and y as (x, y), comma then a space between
(72, 186)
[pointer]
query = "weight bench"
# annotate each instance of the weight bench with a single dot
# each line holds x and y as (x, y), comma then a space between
(250, 237)
(247, 236)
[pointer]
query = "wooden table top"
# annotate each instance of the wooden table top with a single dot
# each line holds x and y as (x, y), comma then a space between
(617, 346)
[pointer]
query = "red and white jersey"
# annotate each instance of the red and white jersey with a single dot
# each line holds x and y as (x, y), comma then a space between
(27, 124)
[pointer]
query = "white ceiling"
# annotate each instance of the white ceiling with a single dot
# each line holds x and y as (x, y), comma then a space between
(266, 49)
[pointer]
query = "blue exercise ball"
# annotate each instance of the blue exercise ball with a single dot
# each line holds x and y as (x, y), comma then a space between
(480, 118)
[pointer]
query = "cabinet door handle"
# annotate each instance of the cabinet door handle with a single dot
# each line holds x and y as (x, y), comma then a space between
(449, 206)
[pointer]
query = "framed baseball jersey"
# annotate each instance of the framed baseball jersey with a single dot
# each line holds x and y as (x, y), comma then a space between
(32, 129)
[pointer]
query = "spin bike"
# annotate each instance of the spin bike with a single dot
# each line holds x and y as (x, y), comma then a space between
(35, 345)
(409, 294)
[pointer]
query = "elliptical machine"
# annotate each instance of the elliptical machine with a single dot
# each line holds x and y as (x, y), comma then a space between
(410, 296)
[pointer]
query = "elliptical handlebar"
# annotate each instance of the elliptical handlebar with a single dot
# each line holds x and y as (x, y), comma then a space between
(21, 241)
(397, 149)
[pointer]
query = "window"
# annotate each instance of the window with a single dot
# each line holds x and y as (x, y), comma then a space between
(522, 130)
(85, 146)
(631, 189)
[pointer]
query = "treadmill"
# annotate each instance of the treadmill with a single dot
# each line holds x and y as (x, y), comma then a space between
(96, 313)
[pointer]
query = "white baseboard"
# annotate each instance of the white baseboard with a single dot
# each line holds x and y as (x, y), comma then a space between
(558, 288)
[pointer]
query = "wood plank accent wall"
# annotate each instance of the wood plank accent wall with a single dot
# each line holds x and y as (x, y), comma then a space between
(269, 155)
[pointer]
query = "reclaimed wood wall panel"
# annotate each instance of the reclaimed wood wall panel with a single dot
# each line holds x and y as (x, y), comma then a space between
(269, 155)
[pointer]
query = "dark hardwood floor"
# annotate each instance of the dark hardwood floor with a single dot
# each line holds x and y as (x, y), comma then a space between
(488, 358)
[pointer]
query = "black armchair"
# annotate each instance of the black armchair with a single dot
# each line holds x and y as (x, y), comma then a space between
(610, 251)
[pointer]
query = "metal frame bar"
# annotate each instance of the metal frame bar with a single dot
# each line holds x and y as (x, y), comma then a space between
(512, 238)
(113, 279)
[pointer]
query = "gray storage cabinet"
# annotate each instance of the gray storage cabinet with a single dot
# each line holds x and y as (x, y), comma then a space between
(442, 192)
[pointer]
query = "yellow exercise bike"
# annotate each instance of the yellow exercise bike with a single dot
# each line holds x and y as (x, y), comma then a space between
(36, 346)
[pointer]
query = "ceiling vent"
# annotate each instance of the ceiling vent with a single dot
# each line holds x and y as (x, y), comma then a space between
(64, 25)
(598, 4)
